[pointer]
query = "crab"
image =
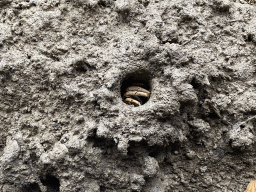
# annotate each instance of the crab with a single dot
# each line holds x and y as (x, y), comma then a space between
(133, 94)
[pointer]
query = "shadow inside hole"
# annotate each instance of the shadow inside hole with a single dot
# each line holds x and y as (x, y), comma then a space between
(213, 115)
(141, 79)
(51, 182)
(33, 187)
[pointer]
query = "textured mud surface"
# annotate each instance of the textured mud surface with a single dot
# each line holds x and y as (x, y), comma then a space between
(64, 66)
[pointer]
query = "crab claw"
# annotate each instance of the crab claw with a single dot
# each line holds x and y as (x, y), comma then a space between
(136, 93)
(132, 101)
(137, 88)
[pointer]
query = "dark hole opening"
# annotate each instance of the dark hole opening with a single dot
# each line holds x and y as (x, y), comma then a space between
(195, 84)
(140, 79)
(31, 188)
(102, 3)
(81, 67)
(213, 115)
(52, 183)
(153, 153)
(242, 126)
(250, 37)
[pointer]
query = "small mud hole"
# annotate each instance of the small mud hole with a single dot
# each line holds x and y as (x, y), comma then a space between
(33, 187)
(136, 88)
(51, 182)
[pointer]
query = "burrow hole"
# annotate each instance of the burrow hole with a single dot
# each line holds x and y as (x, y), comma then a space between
(140, 79)
(33, 187)
(51, 182)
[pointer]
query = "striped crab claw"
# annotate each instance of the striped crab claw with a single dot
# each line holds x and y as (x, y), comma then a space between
(133, 94)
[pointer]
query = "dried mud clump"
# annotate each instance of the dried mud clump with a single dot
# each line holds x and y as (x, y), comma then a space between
(65, 126)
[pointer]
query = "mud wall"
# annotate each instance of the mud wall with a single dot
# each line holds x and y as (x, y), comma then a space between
(65, 66)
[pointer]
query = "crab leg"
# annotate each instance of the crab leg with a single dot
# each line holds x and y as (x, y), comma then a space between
(136, 93)
(132, 101)
(137, 88)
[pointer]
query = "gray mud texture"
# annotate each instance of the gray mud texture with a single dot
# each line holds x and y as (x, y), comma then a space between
(64, 69)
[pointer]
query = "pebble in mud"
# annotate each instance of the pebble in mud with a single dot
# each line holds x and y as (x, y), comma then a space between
(191, 155)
